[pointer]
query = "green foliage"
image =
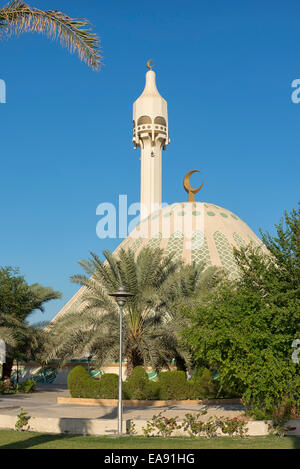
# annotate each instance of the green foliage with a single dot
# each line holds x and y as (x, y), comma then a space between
(232, 426)
(202, 386)
(152, 390)
(197, 427)
(136, 385)
(22, 421)
(17, 301)
(245, 329)
(108, 386)
(278, 427)
(80, 383)
(140, 387)
(173, 385)
(160, 425)
(7, 389)
(150, 330)
(27, 386)
(18, 17)
(17, 298)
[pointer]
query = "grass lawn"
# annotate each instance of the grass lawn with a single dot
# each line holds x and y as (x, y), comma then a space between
(10, 439)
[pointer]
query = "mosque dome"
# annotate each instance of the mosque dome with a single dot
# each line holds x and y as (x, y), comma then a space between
(194, 232)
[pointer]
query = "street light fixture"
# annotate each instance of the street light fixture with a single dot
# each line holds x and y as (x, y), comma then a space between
(121, 296)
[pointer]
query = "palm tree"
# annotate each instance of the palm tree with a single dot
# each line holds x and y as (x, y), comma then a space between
(150, 337)
(7, 335)
(18, 17)
(17, 301)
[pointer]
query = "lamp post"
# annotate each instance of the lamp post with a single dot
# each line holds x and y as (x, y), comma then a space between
(121, 296)
(88, 356)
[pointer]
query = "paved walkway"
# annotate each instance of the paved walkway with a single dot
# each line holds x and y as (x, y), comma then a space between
(44, 404)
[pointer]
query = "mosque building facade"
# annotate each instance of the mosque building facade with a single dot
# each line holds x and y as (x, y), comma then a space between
(193, 231)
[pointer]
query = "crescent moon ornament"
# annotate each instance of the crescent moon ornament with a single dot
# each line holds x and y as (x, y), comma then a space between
(148, 64)
(187, 185)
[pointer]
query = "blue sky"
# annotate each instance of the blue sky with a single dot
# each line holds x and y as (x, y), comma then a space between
(225, 69)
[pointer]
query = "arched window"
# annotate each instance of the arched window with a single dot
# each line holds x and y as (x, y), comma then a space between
(144, 120)
(160, 121)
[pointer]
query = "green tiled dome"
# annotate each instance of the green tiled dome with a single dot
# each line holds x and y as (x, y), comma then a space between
(196, 232)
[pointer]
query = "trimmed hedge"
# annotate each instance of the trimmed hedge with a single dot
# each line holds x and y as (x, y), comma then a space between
(139, 387)
(174, 386)
(171, 385)
(109, 386)
(202, 386)
(80, 384)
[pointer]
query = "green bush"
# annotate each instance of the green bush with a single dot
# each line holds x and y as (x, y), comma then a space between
(173, 385)
(139, 387)
(80, 383)
(27, 386)
(136, 385)
(108, 386)
(1, 387)
(202, 385)
(152, 390)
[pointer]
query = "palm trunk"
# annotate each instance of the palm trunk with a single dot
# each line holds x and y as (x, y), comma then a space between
(7, 369)
(133, 359)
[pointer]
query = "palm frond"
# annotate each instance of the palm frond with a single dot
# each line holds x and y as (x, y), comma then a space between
(8, 336)
(18, 17)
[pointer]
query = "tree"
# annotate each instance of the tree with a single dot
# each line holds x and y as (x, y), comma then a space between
(149, 328)
(18, 17)
(247, 328)
(17, 301)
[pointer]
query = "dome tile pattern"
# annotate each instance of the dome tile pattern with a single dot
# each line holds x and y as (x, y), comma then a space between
(194, 236)
(175, 245)
(225, 252)
(200, 251)
(196, 232)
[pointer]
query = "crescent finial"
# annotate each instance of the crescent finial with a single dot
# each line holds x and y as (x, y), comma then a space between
(148, 64)
(187, 185)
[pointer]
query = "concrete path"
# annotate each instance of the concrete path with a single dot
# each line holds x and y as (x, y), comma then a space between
(44, 404)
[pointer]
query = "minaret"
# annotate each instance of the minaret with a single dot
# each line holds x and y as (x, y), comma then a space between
(151, 134)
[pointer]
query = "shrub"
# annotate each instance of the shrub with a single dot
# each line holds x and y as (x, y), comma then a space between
(232, 426)
(27, 386)
(196, 427)
(22, 421)
(7, 388)
(108, 386)
(152, 390)
(173, 385)
(136, 385)
(80, 383)
(139, 386)
(202, 386)
(161, 426)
